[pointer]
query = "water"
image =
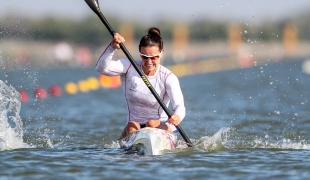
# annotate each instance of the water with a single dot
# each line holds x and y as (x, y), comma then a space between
(245, 124)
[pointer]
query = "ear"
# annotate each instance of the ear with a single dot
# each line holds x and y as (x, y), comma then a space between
(162, 55)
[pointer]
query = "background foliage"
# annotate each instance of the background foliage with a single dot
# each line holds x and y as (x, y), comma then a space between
(91, 32)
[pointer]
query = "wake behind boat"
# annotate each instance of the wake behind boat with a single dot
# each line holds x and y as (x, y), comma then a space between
(149, 141)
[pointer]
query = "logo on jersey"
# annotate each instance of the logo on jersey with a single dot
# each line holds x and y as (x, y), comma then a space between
(134, 87)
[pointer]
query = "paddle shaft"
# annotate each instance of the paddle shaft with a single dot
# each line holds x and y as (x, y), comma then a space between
(93, 4)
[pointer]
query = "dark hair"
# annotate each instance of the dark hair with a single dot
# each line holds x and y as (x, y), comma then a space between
(152, 38)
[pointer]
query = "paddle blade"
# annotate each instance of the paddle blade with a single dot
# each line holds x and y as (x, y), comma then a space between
(94, 5)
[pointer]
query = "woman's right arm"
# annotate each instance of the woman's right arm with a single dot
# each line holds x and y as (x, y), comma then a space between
(109, 67)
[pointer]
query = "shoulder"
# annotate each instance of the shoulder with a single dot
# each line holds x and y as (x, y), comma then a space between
(127, 64)
(139, 62)
(164, 71)
(126, 60)
(166, 74)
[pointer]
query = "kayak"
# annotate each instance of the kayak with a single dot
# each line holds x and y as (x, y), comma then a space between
(148, 141)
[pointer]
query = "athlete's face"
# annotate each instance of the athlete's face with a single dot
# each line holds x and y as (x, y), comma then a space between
(150, 59)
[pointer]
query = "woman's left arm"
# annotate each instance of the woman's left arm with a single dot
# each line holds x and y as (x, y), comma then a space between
(176, 97)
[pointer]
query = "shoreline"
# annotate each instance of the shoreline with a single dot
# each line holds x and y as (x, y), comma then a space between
(16, 55)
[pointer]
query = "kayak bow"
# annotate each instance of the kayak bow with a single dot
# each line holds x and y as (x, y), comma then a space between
(148, 141)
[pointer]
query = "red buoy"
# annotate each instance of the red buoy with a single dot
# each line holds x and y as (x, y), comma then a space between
(40, 93)
(55, 90)
(24, 96)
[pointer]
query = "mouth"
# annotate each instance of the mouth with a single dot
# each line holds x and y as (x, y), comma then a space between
(149, 65)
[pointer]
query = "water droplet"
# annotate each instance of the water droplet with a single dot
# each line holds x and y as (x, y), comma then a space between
(277, 112)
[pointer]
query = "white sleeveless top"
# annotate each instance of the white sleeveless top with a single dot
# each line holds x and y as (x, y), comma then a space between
(141, 103)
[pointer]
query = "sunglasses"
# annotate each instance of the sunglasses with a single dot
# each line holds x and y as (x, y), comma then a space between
(153, 58)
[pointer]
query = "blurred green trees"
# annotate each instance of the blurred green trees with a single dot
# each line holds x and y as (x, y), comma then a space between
(90, 31)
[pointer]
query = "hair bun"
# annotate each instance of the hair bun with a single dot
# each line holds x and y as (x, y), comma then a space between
(153, 31)
(152, 38)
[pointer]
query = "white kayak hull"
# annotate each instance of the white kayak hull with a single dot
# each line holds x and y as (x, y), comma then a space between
(149, 141)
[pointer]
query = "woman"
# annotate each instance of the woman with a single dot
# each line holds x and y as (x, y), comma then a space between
(143, 108)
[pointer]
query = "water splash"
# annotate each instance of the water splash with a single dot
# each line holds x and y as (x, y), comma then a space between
(214, 143)
(280, 144)
(113, 145)
(11, 132)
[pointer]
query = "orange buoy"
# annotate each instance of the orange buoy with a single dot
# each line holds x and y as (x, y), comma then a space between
(55, 90)
(116, 82)
(105, 81)
(24, 96)
(40, 93)
(109, 81)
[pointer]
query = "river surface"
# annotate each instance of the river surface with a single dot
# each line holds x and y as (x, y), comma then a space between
(246, 124)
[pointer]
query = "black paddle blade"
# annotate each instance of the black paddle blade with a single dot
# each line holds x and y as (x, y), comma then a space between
(94, 5)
